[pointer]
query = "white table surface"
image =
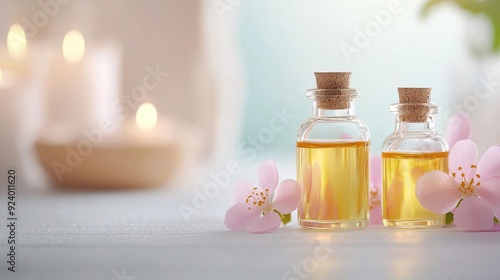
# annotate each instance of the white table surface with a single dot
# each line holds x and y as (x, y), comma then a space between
(141, 235)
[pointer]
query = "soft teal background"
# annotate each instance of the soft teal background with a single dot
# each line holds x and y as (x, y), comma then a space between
(284, 42)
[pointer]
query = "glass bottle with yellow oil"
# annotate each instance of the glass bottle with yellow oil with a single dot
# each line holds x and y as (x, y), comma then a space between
(412, 150)
(332, 158)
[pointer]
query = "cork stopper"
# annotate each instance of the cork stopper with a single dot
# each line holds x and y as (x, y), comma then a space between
(413, 112)
(330, 84)
(414, 95)
(332, 80)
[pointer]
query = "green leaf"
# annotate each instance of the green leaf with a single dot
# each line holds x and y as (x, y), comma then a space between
(449, 218)
(286, 218)
(496, 220)
(496, 33)
(429, 5)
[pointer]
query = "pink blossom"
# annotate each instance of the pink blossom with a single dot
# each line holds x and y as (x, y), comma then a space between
(472, 191)
(258, 209)
(375, 190)
(459, 128)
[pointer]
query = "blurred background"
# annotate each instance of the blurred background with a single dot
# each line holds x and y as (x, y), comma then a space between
(226, 79)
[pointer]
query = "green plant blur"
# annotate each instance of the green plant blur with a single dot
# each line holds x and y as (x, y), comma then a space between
(489, 8)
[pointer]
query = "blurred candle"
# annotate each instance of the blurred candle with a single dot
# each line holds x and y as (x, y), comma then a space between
(13, 56)
(18, 106)
(144, 154)
(147, 128)
(82, 83)
(73, 46)
(12, 74)
(10, 124)
(146, 116)
(68, 90)
(16, 42)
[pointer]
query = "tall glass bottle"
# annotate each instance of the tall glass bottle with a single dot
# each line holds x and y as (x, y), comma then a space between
(332, 158)
(413, 149)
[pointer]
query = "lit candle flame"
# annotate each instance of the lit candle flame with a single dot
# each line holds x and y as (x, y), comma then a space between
(73, 46)
(146, 116)
(16, 42)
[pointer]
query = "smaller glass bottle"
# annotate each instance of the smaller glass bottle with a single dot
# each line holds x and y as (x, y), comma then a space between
(413, 149)
(332, 158)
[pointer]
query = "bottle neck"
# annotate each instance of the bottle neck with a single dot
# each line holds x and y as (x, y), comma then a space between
(426, 127)
(319, 112)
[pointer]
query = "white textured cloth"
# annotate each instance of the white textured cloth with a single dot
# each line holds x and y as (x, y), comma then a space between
(140, 235)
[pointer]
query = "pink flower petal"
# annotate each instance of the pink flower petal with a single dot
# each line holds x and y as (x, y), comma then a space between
(489, 165)
(490, 192)
(462, 155)
(473, 214)
(495, 228)
(270, 222)
(268, 176)
(287, 196)
(438, 192)
(376, 215)
(459, 128)
(239, 217)
(376, 171)
(243, 190)
(375, 205)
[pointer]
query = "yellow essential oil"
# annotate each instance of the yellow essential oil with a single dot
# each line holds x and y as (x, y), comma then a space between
(335, 183)
(400, 173)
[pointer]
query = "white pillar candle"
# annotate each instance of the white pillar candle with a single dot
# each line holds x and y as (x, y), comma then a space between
(81, 85)
(12, 75)
(9, 122)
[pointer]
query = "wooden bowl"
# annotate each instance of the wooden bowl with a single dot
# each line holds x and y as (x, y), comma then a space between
(107, 166)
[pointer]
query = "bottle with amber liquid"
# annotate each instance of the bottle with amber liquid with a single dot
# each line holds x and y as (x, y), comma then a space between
(412, 150)
(332, 158)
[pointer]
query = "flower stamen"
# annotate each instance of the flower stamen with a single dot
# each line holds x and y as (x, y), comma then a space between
(258, 200)
(469, 187)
